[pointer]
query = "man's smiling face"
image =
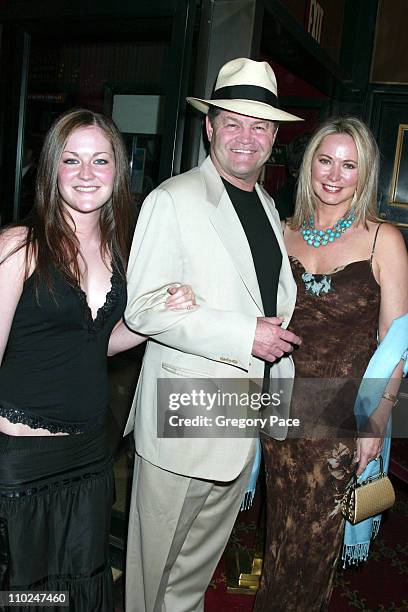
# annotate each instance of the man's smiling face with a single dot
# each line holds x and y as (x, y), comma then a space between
(240, 146)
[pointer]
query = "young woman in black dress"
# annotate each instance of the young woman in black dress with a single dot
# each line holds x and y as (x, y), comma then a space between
(63, 292)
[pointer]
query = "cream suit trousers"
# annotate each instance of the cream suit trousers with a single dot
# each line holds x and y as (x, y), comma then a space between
(178, 529)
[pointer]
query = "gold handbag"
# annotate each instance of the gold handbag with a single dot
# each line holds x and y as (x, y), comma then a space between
(368, 498)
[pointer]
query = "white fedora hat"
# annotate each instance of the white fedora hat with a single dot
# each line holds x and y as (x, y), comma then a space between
(246, 87)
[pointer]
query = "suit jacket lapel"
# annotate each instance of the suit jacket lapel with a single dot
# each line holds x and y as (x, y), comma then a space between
(287, 285)
(228, 226)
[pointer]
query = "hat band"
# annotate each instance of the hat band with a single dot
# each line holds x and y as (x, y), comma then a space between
(246, 92)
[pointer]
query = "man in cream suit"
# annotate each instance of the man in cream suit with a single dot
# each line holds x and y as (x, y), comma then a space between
(217, 230)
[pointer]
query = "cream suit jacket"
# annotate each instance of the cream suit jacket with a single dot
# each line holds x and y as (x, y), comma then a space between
(188, 232)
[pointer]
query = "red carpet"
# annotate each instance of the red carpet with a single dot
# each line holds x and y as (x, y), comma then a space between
(380, 585)
(399, 459)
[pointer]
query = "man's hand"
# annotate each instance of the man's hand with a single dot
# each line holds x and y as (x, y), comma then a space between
(271, 340)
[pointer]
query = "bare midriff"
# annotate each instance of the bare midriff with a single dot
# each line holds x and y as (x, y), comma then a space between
(20, 429)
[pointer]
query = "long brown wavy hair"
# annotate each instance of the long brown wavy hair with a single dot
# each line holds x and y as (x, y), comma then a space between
(50, 237)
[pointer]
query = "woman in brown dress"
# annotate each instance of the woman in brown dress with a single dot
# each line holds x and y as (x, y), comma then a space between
(352, 279)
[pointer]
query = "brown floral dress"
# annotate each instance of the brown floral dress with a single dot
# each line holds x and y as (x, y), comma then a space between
(337, 317)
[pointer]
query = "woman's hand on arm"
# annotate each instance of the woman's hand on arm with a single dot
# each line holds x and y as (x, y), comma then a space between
(180, 297)
(123, 339)
(12, 270)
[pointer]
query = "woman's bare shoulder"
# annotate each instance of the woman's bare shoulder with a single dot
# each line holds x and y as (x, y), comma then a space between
(12, 241)
(390, 251)
(388, 235)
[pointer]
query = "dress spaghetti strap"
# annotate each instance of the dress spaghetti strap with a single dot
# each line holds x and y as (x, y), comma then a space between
(374, 241)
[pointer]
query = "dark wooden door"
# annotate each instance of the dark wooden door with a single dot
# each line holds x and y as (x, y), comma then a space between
(389, 121)
(26, 29)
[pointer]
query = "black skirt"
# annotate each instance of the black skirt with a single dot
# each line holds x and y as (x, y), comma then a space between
(56, 496)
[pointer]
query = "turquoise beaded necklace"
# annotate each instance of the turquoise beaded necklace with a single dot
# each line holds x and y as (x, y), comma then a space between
(316, 238)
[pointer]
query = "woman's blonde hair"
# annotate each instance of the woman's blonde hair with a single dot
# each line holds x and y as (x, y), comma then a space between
(364, 200)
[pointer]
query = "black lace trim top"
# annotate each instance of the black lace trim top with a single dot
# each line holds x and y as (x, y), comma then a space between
(54, 371)
(35, 421)
(105, 311)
